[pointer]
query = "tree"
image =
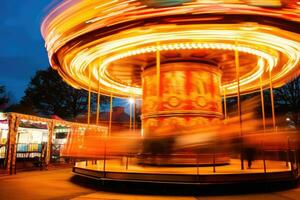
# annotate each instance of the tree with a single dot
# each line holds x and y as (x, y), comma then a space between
(286, 104)
(4, 97)
(287, 99)
(21, 108)
(50, 95)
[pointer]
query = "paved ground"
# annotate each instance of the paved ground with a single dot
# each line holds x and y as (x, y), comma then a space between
(60, 184)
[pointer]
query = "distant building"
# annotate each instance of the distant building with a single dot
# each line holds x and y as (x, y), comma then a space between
(120, 119)
(118, 115)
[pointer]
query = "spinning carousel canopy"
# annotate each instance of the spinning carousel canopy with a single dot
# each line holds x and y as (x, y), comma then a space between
(108, 44)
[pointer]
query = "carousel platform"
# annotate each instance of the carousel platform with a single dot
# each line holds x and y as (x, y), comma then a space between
(125, 170)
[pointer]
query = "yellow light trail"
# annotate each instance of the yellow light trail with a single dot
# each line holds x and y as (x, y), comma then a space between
(276, 50)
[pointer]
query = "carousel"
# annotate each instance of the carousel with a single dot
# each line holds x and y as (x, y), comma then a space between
(183, 59)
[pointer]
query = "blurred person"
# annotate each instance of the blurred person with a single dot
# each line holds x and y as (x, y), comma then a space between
(249, 153)
(158, 146)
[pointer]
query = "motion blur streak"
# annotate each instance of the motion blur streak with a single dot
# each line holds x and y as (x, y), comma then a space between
(169, 143)
(180, 57)
(120, 33)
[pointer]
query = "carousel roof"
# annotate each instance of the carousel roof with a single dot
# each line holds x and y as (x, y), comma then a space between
(105, 45)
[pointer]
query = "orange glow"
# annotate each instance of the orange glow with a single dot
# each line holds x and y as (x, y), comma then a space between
(189, 95)
(195, 46)
(68, 27)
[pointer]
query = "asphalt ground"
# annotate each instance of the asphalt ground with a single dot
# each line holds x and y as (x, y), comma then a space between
(61, 184)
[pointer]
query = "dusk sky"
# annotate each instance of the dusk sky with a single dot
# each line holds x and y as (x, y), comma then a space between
(22, 47)
(23, 50)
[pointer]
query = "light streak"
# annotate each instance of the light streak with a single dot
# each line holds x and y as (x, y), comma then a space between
(275, 49)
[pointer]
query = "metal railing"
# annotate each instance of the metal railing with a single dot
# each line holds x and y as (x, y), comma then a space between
(291, 160)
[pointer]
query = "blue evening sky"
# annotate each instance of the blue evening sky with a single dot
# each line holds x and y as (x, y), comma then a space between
(22, 49)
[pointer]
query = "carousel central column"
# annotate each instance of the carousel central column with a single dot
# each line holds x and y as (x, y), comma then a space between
(189, 97)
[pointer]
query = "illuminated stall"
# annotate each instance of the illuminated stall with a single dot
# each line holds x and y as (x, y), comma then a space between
(30, 140)
(3, 136)
(61, 133)
(35, 140)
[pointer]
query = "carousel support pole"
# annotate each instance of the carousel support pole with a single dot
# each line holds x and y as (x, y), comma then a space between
(225, 105)
(89, 98)
(262, 104)
(158, 72)
(197, 162)
(51, 126)
(110, 114)
(109, 133)
(214, 158)
(130, 114)
(237, 65)
(74, 138)
(98, 101)
(134, 114)
(104, 156)
(89, 103)
(272, 100)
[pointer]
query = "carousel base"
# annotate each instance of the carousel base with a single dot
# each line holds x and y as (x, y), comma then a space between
(277, 171)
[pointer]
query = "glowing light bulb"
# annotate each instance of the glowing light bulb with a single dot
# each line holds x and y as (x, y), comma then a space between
(131, 100)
